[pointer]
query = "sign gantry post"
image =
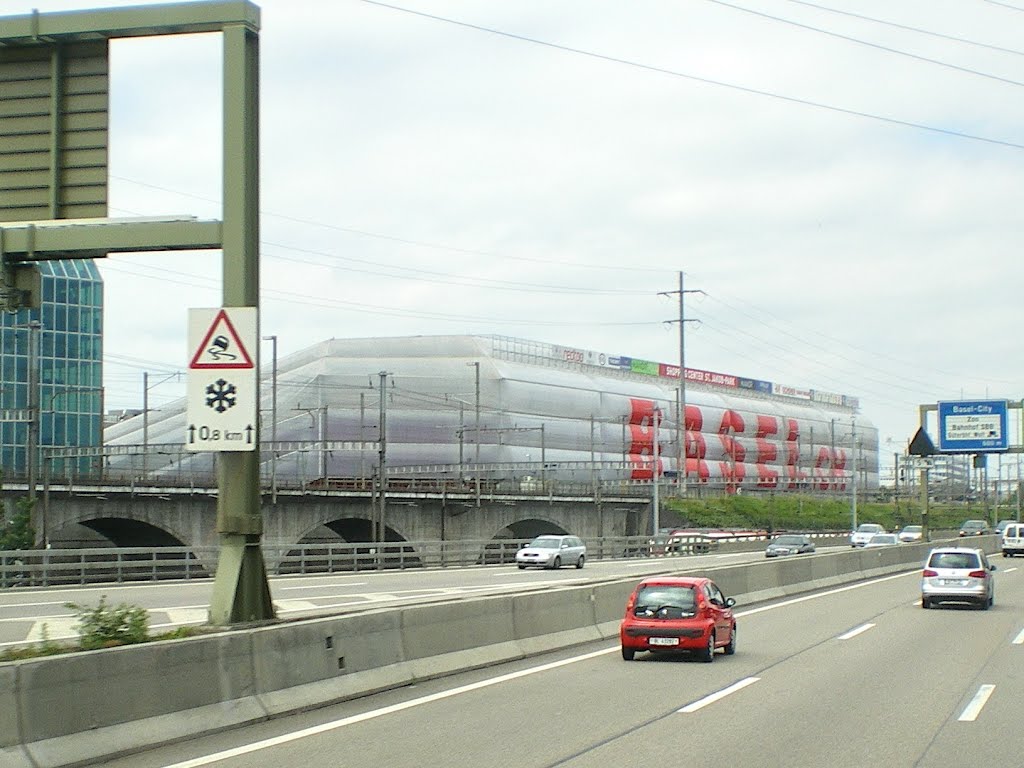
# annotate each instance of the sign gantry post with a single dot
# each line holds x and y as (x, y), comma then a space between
(241, 592)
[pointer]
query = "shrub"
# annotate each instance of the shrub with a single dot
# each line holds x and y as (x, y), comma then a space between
(107, 626)
(16, 532)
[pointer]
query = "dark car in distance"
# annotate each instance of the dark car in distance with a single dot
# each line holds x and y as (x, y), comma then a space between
(974, 528)
(789, 544)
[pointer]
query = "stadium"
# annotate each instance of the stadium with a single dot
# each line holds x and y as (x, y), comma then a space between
(515, 411)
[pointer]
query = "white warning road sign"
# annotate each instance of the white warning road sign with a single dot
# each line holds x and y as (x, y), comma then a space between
(221, 346)
(222, 405)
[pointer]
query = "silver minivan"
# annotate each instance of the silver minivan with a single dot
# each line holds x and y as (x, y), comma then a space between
(1012, 539)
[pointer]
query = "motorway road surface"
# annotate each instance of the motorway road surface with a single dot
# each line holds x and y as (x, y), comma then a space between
(26, 615)
(846, 677)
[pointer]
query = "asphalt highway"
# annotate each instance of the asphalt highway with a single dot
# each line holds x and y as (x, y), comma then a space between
(846, 677)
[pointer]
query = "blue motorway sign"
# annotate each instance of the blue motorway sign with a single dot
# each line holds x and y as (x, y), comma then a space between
(973, 426)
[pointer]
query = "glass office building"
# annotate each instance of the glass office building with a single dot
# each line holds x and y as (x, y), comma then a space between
(68, 362)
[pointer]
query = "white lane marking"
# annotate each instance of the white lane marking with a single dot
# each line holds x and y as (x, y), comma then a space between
(1019, 639)
(185, 615)
(35, 605)
(835, 591)
(256, 746)
(51, 629)
(856, 631)
(287, 606)
(970, 714)
(373, 714)
(60, 616)
(1010, 570)
(712, 698)
(326, 584)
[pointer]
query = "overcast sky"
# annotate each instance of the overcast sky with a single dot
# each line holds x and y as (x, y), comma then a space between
(842, 180)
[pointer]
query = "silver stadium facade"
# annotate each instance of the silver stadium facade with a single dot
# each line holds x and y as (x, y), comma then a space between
(505, 408)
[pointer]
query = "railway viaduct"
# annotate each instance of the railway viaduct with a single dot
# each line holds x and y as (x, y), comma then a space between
(125, 517)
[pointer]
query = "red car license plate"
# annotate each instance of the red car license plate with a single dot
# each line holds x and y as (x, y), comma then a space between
(664, 641)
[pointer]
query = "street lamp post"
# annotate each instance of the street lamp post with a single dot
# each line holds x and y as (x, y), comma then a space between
(32, 460)
(853, 485)
(655, 501)
(273, 418)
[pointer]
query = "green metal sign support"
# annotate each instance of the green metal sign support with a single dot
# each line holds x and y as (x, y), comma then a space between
(240, 591)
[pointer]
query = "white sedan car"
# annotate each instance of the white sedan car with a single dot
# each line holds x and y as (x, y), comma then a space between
(911, 533)
(864, 532)
(883, 540)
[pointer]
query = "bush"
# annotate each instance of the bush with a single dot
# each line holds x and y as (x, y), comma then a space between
(17, 532)
(107, 626)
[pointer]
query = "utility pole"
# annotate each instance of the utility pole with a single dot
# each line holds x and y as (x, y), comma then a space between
(853, 485)
(655, 501)
(378, 533)
(273, 419)
(32, 459)
(681, 390)
(476, 469)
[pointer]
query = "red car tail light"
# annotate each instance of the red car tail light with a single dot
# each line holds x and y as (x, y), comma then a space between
(631, 603)
(978, 574)
(928, 573)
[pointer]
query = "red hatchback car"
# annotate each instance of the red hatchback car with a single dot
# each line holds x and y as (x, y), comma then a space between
(670, 613)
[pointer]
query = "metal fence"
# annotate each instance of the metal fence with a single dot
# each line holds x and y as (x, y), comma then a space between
(58, 567)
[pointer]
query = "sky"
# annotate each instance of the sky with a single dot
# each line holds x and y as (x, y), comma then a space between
(839, 182)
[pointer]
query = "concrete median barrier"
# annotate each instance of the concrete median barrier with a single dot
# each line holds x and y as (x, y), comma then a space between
(441, 638)
(11, 752)
(83, 704)
(554, 619)
(308, 664)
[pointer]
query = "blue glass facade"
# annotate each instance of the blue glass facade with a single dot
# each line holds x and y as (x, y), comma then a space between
(70, 367)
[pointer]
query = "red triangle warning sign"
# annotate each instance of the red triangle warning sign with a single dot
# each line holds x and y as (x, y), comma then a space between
(221, 347)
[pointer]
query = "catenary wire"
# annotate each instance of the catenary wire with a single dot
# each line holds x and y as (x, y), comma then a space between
(705, 80)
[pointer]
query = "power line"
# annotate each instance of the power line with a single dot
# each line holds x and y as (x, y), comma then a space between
(1006, 5)
(908, 28)
(699, 79)
(403, 240)
(305, 299)
(858, 41)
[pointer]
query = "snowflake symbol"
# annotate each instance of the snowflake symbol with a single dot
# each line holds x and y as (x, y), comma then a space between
(220, 395)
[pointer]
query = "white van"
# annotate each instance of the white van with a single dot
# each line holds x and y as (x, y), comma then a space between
(1012, 540)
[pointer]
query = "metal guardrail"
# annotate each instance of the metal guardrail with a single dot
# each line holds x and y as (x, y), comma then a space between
(62, 567)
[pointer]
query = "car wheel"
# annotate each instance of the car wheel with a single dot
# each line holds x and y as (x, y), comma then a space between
(925, 603)
(628, 653)
(522, 567)
(730, 649)
(708, 654)
(579, 563)
(556, 563)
